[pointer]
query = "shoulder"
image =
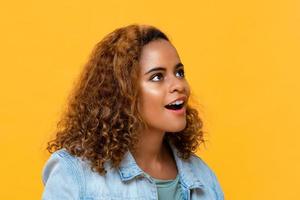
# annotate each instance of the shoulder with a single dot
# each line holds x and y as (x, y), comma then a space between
(61, 160)
(66, 162)
(205, 173)
(71, 177)
(63, 173)
(198, 163)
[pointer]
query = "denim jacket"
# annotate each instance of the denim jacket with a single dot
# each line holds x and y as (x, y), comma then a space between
(67, 177)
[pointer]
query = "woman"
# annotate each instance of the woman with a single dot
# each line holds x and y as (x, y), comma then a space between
(128, 131)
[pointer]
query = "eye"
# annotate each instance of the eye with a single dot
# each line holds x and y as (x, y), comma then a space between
(180, 72)
(156, 77)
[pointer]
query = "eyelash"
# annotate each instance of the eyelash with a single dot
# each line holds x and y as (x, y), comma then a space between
(161, 75)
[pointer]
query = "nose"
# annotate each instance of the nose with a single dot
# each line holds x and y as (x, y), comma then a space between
(178, 85)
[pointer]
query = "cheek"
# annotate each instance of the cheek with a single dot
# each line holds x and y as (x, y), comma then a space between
(151, 98)
(157, 116)
(151, 103)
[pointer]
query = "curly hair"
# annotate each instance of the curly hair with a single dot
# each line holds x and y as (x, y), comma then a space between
(102, 121)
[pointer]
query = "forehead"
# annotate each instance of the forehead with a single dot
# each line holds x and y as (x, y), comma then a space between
(158, 53)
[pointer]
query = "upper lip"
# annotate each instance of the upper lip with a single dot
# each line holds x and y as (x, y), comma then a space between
(179, 98)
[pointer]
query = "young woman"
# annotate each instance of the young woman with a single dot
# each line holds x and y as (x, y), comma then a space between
(128, 131)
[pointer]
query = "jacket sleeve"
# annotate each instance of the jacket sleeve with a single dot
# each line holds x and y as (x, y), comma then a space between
(61, 178)
(217, 186)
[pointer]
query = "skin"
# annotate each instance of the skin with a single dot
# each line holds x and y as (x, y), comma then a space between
(158, 88)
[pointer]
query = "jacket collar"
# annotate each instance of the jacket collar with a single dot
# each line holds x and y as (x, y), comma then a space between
(129, 169)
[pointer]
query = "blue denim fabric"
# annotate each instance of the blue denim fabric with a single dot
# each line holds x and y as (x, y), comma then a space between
(67, 177)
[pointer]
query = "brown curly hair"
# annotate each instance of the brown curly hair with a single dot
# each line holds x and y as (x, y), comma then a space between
(102, 120)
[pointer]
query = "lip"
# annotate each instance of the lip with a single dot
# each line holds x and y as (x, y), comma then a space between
(183, 109)
(179, 98)
(178, 112)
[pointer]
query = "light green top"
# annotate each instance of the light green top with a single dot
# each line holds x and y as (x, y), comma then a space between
(168, 189)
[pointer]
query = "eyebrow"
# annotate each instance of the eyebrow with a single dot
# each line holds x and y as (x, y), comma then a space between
(163, 69)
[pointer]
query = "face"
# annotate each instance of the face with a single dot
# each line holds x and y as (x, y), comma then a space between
(162, 82)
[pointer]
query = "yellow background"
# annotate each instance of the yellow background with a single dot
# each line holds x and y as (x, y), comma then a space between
(241, 58)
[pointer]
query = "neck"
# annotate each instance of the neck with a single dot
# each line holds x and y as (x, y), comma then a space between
(154, 156)
(150, 148)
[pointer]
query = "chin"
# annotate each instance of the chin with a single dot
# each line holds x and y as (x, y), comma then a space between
(176, 128)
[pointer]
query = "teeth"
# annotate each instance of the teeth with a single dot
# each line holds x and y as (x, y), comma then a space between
(178, 102)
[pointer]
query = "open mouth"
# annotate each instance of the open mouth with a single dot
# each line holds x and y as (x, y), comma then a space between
(177, 105)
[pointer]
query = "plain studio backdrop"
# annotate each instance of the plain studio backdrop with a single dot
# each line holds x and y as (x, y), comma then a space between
(241, 59)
